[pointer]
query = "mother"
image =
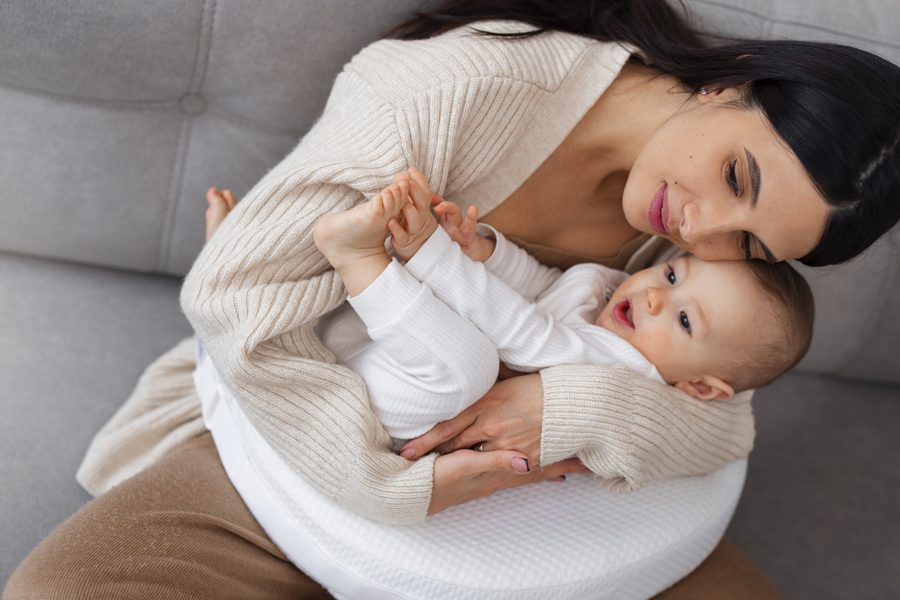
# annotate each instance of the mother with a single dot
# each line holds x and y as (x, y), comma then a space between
(765, 150)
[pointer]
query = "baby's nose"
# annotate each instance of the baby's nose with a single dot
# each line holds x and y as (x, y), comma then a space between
(654, 300)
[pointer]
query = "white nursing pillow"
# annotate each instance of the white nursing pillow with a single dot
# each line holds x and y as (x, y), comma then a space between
(549, 540)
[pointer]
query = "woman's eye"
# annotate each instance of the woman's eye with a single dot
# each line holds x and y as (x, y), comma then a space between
(685, 322)
(670, 275)
(731, 173)
(745, 246)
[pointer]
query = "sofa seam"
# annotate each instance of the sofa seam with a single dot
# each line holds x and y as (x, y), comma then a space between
(104, 103)
(176, 184)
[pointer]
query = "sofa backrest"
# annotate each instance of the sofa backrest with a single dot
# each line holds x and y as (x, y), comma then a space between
(117, 116)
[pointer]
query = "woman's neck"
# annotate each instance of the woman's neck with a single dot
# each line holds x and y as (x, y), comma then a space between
(616, 128)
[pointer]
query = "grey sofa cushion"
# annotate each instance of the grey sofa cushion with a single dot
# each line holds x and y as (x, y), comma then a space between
(116, 116)
(73, 341)
(819, 512)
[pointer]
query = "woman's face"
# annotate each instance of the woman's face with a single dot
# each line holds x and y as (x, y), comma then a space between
(717, 181)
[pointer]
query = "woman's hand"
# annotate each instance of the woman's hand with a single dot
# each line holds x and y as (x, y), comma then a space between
(508, 417)
(466, 475)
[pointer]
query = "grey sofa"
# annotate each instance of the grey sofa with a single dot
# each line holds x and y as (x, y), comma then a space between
(114, 119)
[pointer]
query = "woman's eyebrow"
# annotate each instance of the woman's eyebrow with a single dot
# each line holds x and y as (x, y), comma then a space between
(755, 184)
(755, 178)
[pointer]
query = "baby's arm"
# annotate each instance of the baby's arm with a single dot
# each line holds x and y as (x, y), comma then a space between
(527, 339)
(478, 241)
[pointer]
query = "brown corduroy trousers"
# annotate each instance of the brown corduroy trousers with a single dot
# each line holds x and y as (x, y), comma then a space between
(179, 531)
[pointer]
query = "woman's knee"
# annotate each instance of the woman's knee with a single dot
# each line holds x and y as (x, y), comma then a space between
(175, 531)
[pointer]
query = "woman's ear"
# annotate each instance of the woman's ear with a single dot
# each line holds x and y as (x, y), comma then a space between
(707, 387)
(708, 95)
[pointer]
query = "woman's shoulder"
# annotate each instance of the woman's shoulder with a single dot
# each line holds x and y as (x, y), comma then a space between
(397, 68)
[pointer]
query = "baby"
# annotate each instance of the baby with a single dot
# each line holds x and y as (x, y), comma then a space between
(427, 337)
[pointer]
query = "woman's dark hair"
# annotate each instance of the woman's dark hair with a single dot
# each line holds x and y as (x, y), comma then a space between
(836, 107)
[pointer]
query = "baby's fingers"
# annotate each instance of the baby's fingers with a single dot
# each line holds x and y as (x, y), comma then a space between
(400, 237)
(468, 226)
(449, 213)
(412, 216)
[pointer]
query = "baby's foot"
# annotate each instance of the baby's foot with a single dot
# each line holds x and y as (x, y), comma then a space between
(359, 233)
(418, 223)
(219, 204)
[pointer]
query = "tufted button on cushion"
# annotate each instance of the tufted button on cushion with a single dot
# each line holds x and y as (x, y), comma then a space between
(192, 104)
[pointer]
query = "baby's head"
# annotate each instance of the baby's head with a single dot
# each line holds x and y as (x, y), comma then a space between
(713, 329)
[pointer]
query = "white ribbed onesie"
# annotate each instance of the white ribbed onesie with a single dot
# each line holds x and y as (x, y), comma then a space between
(438, 328)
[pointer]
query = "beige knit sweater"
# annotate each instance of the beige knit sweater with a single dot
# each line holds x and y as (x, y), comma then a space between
(477, 115)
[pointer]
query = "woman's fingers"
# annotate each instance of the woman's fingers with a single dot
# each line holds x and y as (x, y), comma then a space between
(440, 433)
(466, 475)
(508, 417)
(471, 437)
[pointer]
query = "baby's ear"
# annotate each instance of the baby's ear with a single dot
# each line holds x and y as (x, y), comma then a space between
(707, 387)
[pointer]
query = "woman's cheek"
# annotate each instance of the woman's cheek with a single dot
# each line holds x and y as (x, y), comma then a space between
(635, 211)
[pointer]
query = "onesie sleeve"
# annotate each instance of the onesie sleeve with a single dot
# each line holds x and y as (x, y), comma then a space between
(515, 267)
(527, 337)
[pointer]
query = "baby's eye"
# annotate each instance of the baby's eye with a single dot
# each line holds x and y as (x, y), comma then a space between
(685, 322)
(670, 274)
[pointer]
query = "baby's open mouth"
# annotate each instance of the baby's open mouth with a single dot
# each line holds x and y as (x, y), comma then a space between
(622, 311)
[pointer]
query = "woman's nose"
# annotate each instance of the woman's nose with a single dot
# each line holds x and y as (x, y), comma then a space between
(703, 224)
(655, 298)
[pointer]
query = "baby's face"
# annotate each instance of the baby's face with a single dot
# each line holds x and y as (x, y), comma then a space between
(688, 316)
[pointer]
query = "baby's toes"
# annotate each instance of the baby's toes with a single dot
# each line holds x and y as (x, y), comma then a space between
(230, 200)
(215, 213)
(393, 200)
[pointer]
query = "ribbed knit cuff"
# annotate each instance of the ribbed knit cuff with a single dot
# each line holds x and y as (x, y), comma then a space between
(499, 261)
(402, 488)
(629, 429)
(575, 415)
(386, 298)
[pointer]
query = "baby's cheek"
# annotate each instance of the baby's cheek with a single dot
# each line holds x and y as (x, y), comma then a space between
(666, 354)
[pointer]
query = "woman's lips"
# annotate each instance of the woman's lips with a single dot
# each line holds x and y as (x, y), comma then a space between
(658, 213)
(622, 312)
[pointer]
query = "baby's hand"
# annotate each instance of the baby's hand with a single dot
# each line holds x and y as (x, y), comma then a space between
(462, 229)
(417, 223)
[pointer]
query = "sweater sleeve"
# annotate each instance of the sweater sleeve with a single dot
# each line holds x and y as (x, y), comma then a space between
(630, 429)
(260, 284)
